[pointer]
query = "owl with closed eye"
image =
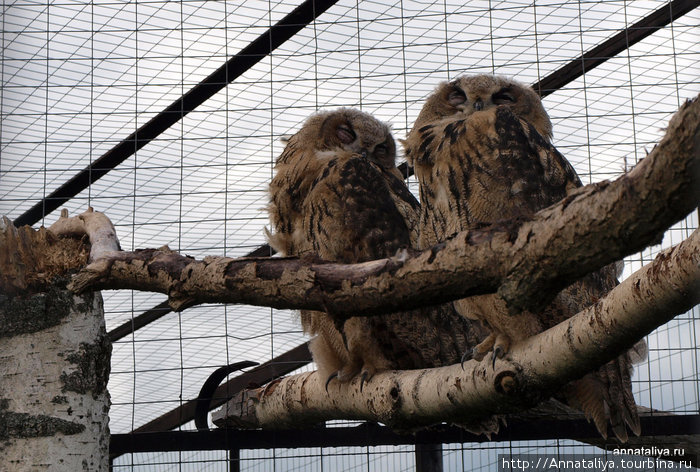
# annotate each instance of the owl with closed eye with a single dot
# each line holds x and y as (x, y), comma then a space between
(337, 195)
(482, 153)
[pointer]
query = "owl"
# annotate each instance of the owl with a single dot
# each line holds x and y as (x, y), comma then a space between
(337, 195)
(482, 153)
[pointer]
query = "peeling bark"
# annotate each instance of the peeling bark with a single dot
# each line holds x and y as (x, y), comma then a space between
(527, 263)
(54, 357)
(532, 371)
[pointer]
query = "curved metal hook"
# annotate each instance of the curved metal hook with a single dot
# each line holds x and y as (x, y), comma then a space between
(207, 392)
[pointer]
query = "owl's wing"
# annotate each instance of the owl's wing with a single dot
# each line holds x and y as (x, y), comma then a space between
(357, 211)
(295, 171)
(349, 216)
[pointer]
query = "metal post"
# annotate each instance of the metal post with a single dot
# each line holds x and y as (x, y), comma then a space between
(234, 460)
(428, 457)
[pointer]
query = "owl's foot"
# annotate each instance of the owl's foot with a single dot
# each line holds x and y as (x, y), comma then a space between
(367, 373)
(498, 343)
(480, 350)
(343, 375)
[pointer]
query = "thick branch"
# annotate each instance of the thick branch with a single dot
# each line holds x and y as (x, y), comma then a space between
(536, 367)
(524, 262)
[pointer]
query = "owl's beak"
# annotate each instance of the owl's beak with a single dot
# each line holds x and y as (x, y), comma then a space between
(363, 153)
(478, 105)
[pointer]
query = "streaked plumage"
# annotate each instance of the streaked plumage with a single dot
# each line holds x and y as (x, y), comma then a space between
(337, 195)
(481, 152)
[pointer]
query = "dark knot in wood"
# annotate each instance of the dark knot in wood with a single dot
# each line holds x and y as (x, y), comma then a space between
(506, 382)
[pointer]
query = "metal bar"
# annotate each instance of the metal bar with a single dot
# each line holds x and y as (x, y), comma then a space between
(140, 321)
(370, 434)
(261, 47)
(613, 46)
(264, 373)
(428, 458)
(234, 460)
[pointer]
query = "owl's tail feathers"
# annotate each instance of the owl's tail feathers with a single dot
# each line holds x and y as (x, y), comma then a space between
(605, 396)
(486, 426)
(623, 410)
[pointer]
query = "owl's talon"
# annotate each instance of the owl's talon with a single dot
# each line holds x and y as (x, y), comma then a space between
(363, 379)
(498, 351)
(500, 346)
(465, 357)
(334, 375)
(344, 338)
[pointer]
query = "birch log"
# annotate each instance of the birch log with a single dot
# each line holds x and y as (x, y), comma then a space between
(533, 369)
(54, 357)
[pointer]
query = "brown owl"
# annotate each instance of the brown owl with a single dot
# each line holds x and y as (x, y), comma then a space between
(338, 195)
(481, 152)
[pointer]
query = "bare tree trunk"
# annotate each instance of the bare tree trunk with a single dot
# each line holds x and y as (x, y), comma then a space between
(54, 358)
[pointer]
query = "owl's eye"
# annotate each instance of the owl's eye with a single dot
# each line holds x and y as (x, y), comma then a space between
(456, 97)
(503, 97)
(381, 150)
(345, 134)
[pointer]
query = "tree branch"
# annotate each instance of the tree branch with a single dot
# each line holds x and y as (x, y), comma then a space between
(535, 367)
(527, 263)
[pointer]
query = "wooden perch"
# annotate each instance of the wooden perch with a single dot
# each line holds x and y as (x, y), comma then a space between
(535, 367)
(525, 262)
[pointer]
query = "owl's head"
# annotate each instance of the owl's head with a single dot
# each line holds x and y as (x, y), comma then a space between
(354, 131)
(470, 94)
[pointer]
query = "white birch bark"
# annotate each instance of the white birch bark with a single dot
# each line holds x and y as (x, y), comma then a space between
(533, 369)
(54, 363)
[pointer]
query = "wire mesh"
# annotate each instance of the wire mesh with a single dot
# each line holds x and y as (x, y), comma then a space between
(79, 77)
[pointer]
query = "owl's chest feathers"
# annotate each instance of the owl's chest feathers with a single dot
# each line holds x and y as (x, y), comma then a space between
(476, 174)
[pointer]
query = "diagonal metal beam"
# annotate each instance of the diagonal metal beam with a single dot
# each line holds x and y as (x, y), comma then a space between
(163, 308)
(260, 375)
(615, 45)
(140, 321)
(267, 42)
